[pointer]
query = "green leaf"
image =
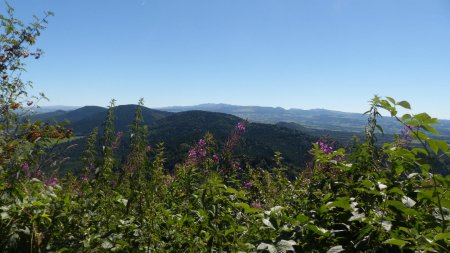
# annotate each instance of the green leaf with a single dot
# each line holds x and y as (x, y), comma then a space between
(246, 207)
(397, 242)
(400, 207)
(442, 236)
(396, 190)
(107, 245)
(420, 135)
(380, 128)
(445, 203)
(316, 229)
(422, 117)
(437, 145)
(302, 218)
(4, 216)
(286, 246)
(386, 225)
(267, 247)
(268, 223)
(391, 100)
(430, 129)
(425, 194)
(419, 150)
(407, 201)
(336, 249)
(404, 104)
(342, 202)
(405, 117)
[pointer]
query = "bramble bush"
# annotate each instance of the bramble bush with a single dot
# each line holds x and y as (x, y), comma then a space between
(373, 198)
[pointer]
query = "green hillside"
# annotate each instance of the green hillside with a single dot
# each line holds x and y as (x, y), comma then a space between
(180, 131)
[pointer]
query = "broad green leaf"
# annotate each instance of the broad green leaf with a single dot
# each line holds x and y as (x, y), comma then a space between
(445, 203)
(397, 242)
(386, 225)
(342, 202)
(405, 117)
(396, 190)
(233, 230)
(302, 218)
(391, 100)
(286, 246)
(431, 129)
(357, 216)
(401, 207)
(420, 135)
(408, 201)
(381, 186)
(316, 229)
(336, 249)
(442, 236)
(107, 245)
(4, 216)
(268, 223)
(404, 104)
(437, 145)
(422, 117)
(420, 150)
(267, 247)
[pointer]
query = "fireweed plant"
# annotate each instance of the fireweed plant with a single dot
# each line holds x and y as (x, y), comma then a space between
(391, 197)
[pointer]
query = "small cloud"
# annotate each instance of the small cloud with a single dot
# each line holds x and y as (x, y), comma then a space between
(143, 2)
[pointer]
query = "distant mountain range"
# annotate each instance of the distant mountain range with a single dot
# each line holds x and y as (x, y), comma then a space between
(339, 125)
(315, 119)
(52, 108)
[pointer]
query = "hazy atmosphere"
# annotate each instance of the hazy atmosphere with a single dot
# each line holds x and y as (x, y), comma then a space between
(333, 54)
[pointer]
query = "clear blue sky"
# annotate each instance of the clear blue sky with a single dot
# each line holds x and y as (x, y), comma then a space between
(333, 54)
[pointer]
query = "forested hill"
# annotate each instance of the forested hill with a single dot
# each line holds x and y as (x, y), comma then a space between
(180, 131)
(84, 119)
(258, 145)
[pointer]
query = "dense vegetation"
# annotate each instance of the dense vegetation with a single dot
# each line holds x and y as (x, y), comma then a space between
(373, 198)
(179, 131)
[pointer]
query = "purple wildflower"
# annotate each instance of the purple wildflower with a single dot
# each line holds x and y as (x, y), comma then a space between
(192, 154)
(256, 204)
(234, 138)
(198, 152)
(38, 173)
(84, 178)
(51, 182)
(247, 185)
(168, 180)
(325, 147)
(201, 143)
(405, 137)
(216, 158)
(240, 127)
(26, 169)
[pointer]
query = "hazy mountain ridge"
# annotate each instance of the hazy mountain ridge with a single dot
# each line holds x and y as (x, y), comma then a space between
(319, 119)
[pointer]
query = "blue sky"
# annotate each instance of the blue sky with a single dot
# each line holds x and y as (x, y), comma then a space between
(333, 54)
